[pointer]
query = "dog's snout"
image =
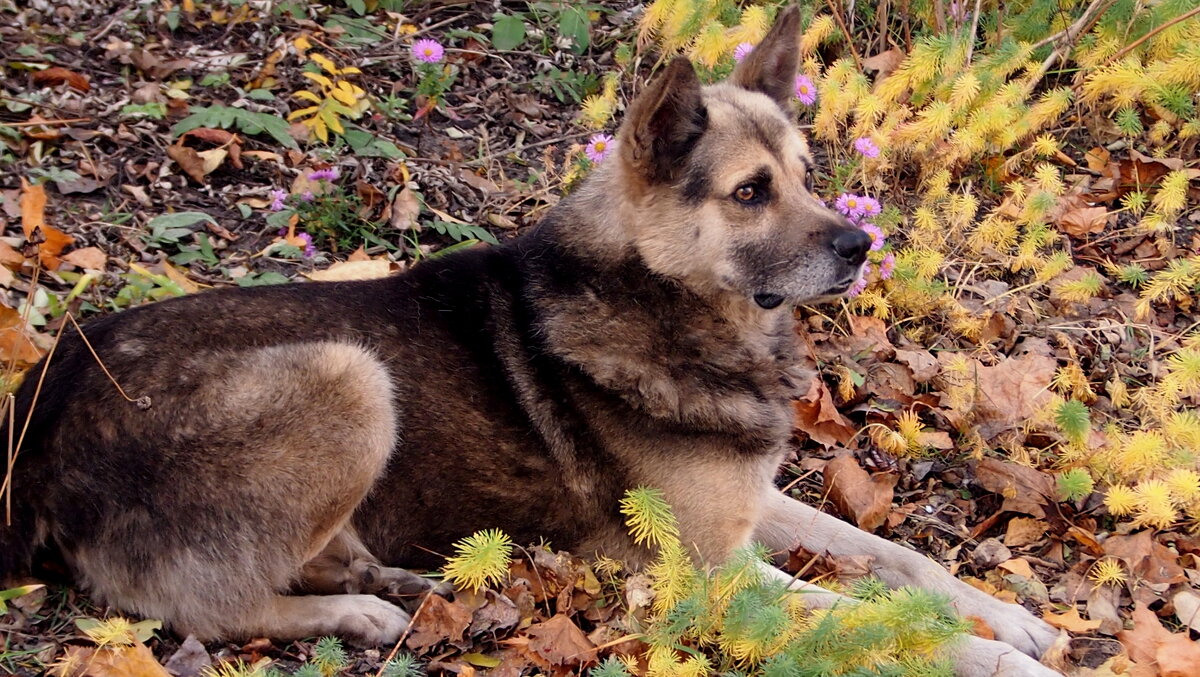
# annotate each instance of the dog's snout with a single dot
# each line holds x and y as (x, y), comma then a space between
(852, 244)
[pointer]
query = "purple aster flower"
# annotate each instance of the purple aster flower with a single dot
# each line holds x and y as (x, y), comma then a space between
(428, 51)
(850, 205)
(887, 266)
(307, 196)
(742, 51)
(599, 147)
(330, 174)
(310, 250)
(277, 198)
(870, 206)
(867, 147)
(806, 91)
(857, 288)
(876, 234)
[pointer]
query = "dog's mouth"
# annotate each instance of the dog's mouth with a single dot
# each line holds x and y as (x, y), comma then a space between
(767, 300)
(842, 286)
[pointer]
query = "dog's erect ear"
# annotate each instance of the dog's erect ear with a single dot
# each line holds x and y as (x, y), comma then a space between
(664, 123)
(771, 67)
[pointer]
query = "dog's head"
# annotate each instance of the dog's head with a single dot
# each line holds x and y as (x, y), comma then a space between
(721, 179)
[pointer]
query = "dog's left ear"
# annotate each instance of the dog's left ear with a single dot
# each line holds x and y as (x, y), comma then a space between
(771, 67)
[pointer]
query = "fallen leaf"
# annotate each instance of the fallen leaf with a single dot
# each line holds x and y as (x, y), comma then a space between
(922, 363)
(1024, 489)
(560, 642)
(858, 495)
(1147, 559)
(884, 62)
(179, 278)
(124, 661)
(1081, 221)
(189, 660)
(341, 271)
(1007, 394)
(405, 210)
(197, 164)
(1018, 566)
(1024, 530)
(91, 258)
(1071, 621)
(57, 75)
(1187, 608)
(817, 416)
(440, 619)
(1149, 643)
(9, 257)
(33, 207)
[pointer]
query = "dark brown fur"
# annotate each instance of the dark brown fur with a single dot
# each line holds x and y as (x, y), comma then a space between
(311, 438)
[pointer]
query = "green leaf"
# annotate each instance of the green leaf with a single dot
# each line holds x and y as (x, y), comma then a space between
(179, 220)
(365, 144)
(508, 31)
(573, 23)
(13, 593)
(359, 7)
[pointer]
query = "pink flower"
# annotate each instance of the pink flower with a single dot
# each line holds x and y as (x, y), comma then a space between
(599, 147)
(330, 174)
(870, 206)
(428, 51)
(850, 205)
(277, 198)
(876, 234)
(867, 147)
(742, 51)
(806, 91)
(310, 250)
(887, 266)
(857, 288)
(307, 196)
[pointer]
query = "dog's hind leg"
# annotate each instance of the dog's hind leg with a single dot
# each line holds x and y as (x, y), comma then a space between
(787, 524)
(270, 450)
(973, 657)
(347, 566)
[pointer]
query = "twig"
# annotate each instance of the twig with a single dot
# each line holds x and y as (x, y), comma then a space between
(1134, 45)
(971, 36)
(404, 636)
(1083, 23)
(44, 123)
(837, 16)
(517, 149)
(142, 402)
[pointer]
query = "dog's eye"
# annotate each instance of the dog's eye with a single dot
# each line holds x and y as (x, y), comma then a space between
(747, 193)
(808, 181)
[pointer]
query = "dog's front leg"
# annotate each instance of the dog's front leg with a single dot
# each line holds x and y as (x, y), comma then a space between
(787, 524)
(973, 656)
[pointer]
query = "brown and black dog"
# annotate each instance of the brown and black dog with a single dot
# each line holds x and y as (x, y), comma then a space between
(302, 441)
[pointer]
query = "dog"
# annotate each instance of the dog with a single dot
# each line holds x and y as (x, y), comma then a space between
(273, 455)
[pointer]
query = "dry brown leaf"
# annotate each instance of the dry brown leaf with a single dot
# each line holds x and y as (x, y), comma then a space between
(922, 363)
(18, 343)
(1071, 621)
(197, 164)
(1187, 608)
(57, 75)
(1147, 559)
(91, 258)
(884, 62)
(1018, 566)
(9, 257)
(819, 418)
(1024, 489)
(405, 210)
(1081, 221)
(1007, 394)
(124, 661)
(353, 270)
(1024, 530)
(440, 619)
(33, 207)
(560, 642)
(858, 495)
(359, 254)
(1148, 643)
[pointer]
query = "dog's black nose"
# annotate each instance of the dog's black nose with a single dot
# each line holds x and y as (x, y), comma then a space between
(852, 244)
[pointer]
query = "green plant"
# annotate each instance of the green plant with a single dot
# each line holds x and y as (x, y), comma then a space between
(227, 117)
(566, 85)
(479, 560)
(329, 657)
(202, 252)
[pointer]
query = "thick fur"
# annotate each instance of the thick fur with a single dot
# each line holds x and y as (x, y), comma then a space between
(303, 441)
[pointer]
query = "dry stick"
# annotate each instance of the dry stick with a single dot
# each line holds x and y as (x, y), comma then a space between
(971, 35)
(404, 635)
(837, 16)
(1084, 22)
(36, 123)
(15, 450)
(1134, 45)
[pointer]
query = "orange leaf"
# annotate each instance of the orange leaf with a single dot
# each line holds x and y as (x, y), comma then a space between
(17, 341)
(857, 494)
(33, 207)
(56, 75)
(1071, 621)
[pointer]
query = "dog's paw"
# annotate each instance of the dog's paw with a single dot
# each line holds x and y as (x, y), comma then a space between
(979, 657)
(367, 621)
(1013, 625)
